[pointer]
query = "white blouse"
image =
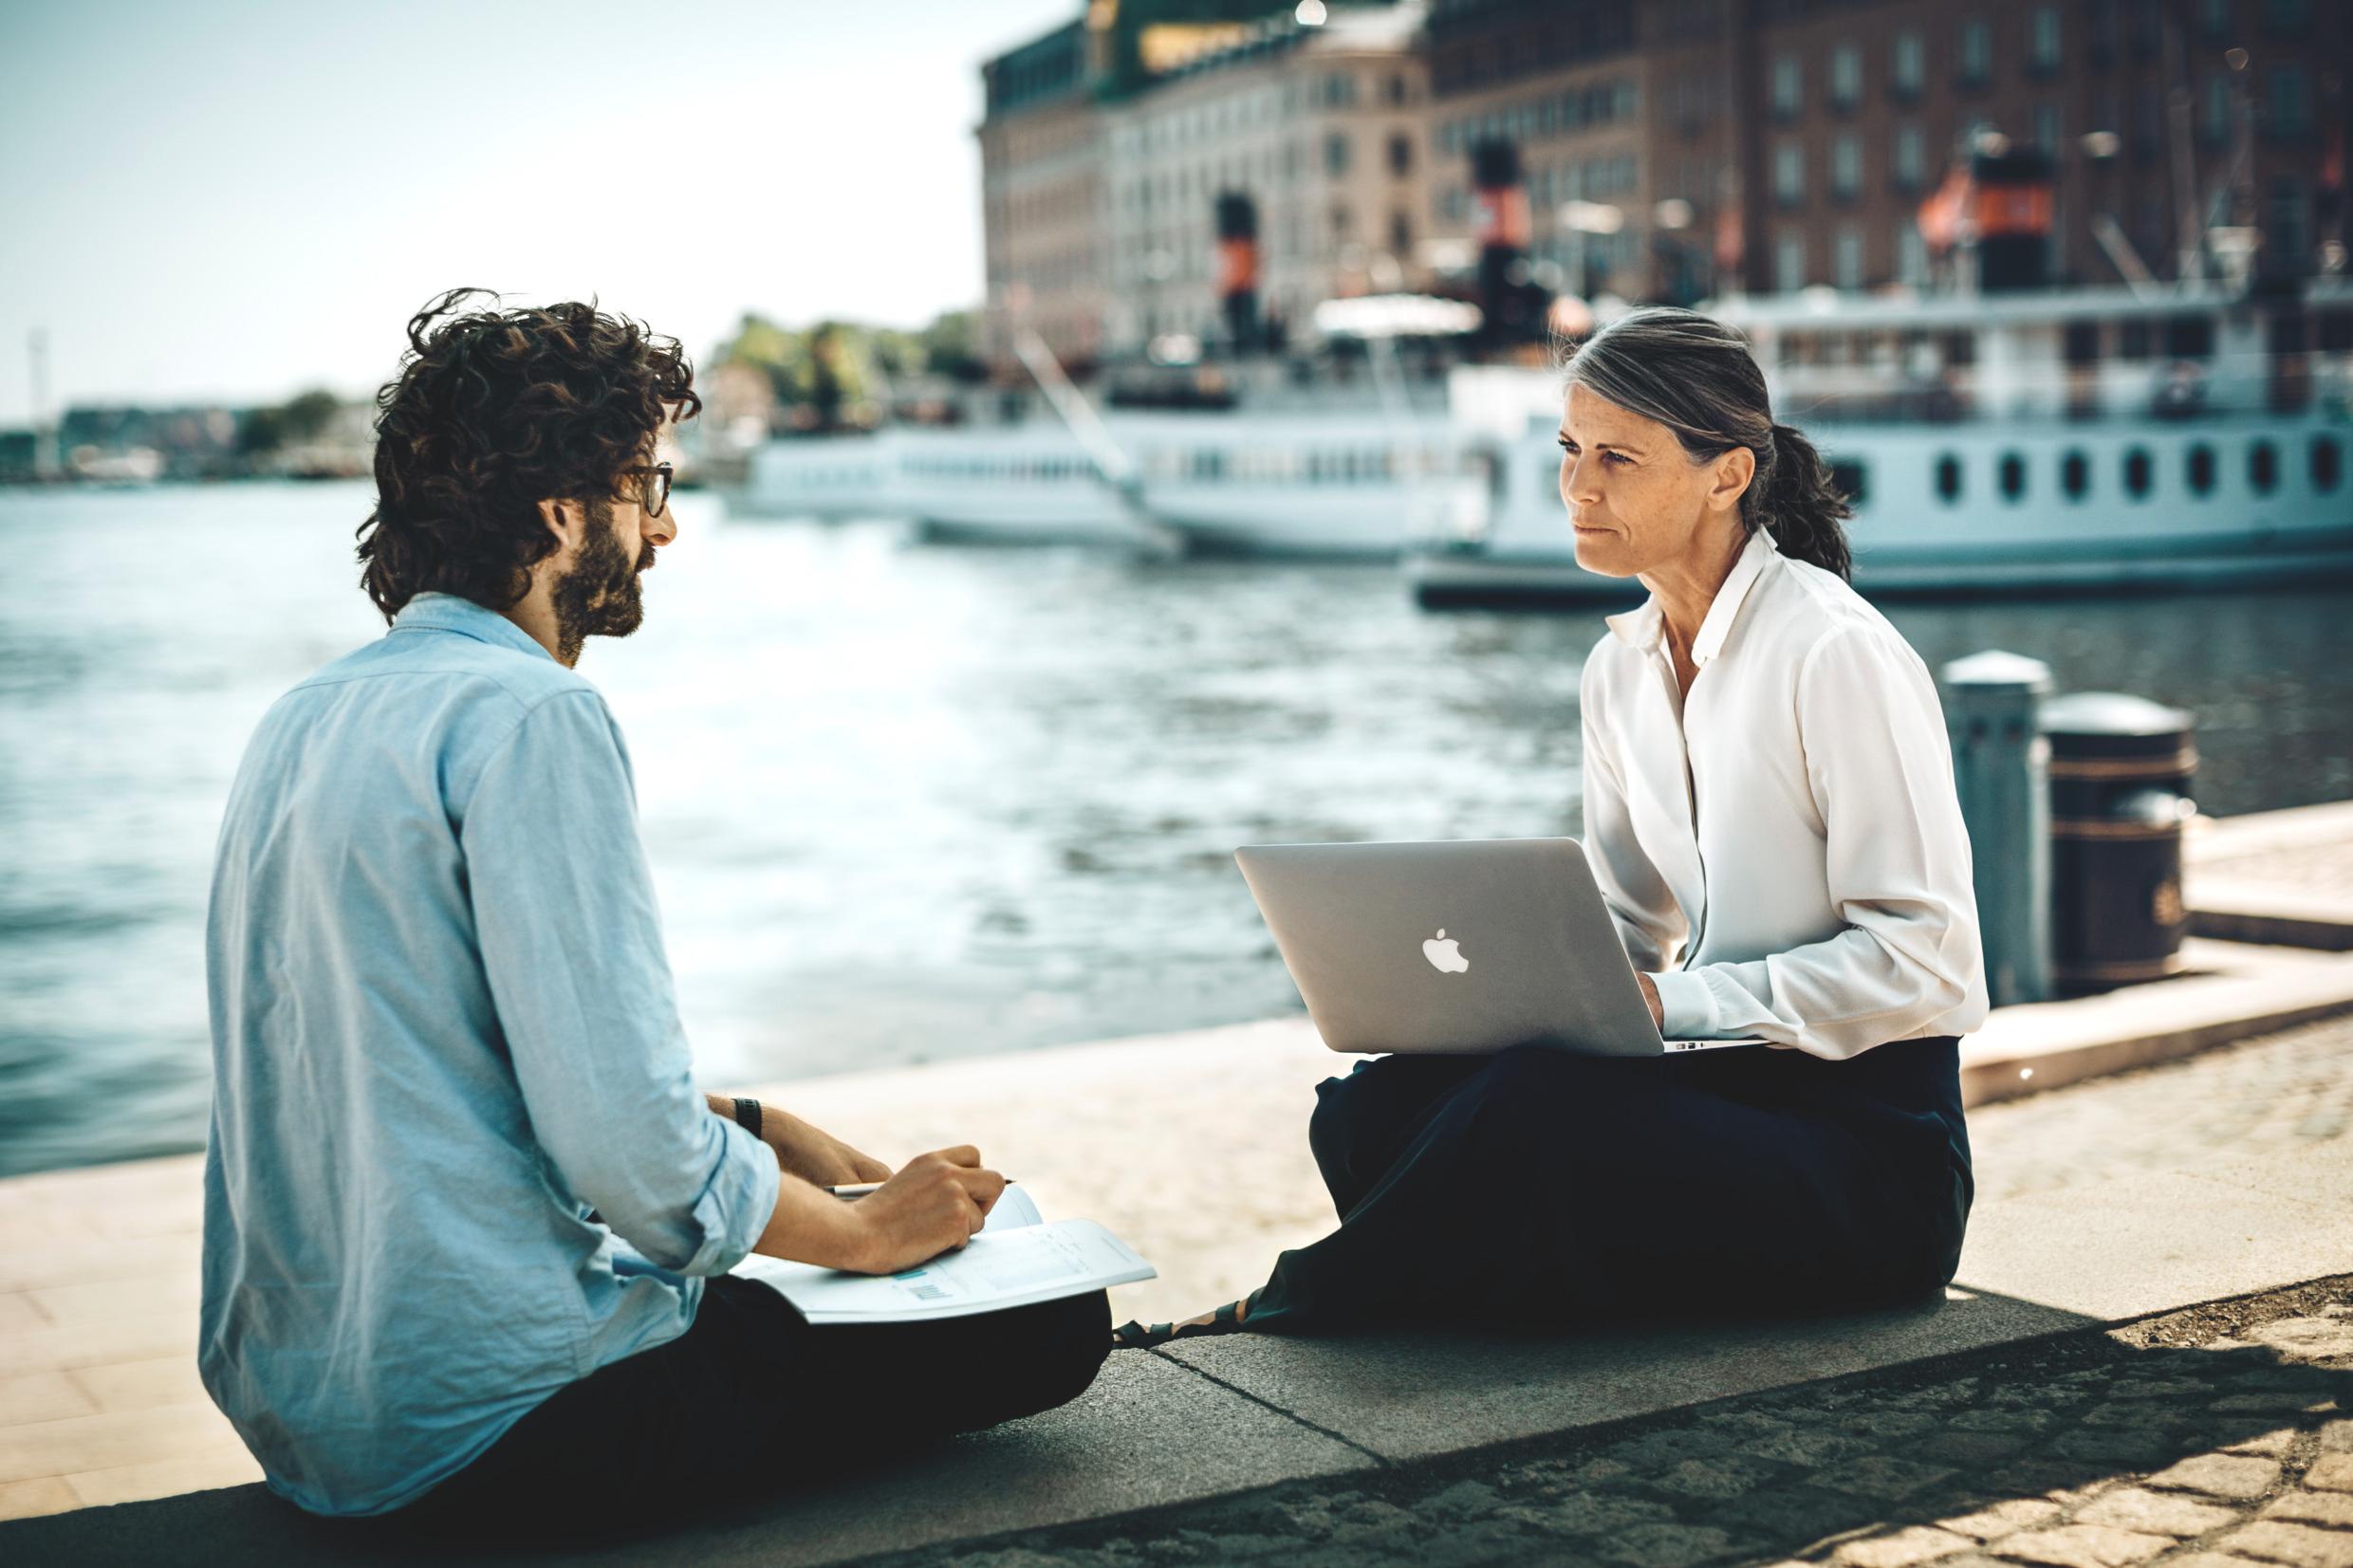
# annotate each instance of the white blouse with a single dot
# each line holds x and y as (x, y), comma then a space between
(1782, 847)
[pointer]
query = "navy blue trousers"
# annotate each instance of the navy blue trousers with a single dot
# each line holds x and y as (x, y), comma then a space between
(1536, 1185)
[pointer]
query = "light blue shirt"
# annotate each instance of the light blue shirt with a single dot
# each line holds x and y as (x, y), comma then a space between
(443, 1032)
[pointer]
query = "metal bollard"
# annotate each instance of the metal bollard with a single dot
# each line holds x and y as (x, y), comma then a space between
(2001, 768)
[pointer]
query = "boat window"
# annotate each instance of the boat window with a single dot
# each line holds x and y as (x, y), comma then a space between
(2189, 337)
(2014, 476)
(2263, 467)
(1948, 477)
(2074, 475)
(1848, 478)
(2137, 473)
(2327, 461)
(2201, 469)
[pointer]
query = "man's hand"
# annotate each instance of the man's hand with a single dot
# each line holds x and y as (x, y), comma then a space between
(1650, 994)
(807, 1152)
(931, 1206)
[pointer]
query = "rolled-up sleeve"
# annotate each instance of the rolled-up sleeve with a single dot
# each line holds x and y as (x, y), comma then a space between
(1650, 923)
(572, 942)
(1896, 865)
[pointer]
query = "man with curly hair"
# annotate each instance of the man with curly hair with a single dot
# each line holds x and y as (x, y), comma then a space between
(468, 1222)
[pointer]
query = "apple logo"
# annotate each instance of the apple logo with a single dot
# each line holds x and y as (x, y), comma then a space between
(1445, 956)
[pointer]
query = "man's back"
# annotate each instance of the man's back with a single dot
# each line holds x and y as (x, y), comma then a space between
(441, 1018)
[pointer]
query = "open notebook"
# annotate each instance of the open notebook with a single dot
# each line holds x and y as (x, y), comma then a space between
(1015, 1259)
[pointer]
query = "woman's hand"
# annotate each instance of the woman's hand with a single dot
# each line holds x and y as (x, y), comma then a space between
(1650, 994)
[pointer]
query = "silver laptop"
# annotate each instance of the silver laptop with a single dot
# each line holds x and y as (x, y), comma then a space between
(1459, 948)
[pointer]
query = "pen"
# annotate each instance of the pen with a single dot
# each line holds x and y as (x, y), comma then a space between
(859, 1190)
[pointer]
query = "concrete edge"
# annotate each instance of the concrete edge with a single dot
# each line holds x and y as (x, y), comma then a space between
(2293, 996)
(2270, 916)
(2259, 832)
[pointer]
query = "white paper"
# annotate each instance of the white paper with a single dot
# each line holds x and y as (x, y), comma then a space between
(1013, 1259)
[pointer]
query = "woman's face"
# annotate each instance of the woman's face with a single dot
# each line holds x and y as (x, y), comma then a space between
(1637, 500)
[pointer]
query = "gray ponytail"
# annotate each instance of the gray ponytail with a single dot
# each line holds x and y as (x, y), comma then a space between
(1695, 376)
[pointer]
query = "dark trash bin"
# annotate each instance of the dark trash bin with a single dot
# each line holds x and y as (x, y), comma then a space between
(2119, 777)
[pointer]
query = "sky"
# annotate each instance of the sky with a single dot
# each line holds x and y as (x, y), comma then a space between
(237, 201)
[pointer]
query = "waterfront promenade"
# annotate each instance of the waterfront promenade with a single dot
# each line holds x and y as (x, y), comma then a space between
(2217, 1177)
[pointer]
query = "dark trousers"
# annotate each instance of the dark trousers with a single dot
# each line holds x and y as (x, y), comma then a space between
(1536, 1185)
(752, 1400)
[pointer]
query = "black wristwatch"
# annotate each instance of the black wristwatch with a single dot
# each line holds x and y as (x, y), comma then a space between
(748, 1114)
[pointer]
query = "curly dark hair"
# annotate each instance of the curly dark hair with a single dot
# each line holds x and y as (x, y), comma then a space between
(494, 412)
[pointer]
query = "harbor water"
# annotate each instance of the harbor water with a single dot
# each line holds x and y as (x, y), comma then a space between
(903, 802)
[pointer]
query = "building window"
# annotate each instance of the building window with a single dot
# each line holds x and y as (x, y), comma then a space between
(1789, 85)
(2074, 475)
(2200, 470)
(1849, 257)
(2137, 473)
(1911, 255)
(1908, 68)
(2286, 103)
(2287, 235)
(2326, 464)
(1847, 75)
(2214, 110)
(1790, 174)
(2100, 30)
(2043, 40)
(1336, 153)
(1976, 60)
(1909, 162)
(2047, 129)
(1846, 166)
(1400, 153)
(1947, 479)
(2013, 477)
(1790, 262)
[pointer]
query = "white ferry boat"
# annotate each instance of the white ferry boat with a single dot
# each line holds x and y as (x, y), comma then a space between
(2054, 441)
(1334, 483)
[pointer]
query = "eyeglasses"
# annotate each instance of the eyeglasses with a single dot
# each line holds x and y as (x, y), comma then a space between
(653, 488)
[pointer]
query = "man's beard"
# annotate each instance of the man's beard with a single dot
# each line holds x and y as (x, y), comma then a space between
(599, 597)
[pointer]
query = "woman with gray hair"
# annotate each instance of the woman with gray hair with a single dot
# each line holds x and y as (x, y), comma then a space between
(1770, 814)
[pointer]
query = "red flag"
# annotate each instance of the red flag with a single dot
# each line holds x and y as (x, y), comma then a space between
(1940, 215)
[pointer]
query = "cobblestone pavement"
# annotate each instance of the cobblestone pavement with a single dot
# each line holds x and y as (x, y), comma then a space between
(2216, 1437)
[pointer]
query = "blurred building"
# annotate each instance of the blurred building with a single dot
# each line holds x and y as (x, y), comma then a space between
(1770, 145)
(1041, 196)
(1665, 151)
(1288, 163)
(1109, 142)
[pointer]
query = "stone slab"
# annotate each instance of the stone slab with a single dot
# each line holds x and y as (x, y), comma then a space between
(2154, 1241)
(1146, 1434)
(1411, 1395)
